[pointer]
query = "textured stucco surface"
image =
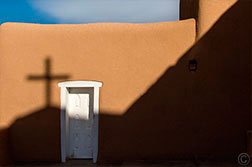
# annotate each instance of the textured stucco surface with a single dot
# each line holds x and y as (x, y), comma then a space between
(127, 58)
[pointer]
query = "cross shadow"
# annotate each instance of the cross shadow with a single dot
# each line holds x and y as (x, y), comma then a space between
(36, 137)
(47, 77)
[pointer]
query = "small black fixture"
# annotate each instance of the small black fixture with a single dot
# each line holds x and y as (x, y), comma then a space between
(192, 65)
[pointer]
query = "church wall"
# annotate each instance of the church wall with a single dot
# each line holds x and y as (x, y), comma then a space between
(151, 108)
(127, 58)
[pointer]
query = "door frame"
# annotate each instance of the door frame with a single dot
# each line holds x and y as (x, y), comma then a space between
(64, 115)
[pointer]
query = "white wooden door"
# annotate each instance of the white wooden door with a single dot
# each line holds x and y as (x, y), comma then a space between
(80, 124)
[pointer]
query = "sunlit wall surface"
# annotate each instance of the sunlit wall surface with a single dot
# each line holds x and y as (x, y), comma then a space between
(88, 11)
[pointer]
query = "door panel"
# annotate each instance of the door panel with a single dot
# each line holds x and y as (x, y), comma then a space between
(80, 124)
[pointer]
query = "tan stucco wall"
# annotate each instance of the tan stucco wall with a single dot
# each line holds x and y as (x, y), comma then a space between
(127, 58)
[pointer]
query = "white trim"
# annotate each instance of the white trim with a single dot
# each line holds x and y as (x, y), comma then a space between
(62, 123)
(80, 84)
(64, 115)
(96, 124)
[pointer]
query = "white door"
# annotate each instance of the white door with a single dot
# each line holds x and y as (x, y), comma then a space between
(80, 124)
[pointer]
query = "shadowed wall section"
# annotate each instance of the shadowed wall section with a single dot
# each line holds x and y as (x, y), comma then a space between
(203, 114)
(36, 138)
(4, 147)
(234, 34)
(222, 84)
(158, 126)
(189, 9)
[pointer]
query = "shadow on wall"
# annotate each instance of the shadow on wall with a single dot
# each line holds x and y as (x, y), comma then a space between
(184, 115)
(48, 79)
(36, 137)
(187, 12)
(4, 147)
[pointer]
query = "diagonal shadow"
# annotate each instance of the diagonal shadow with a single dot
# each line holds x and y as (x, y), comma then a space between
(192, 115)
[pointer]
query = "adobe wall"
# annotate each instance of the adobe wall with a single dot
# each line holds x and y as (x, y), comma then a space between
(151, 108)
(127, 58)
